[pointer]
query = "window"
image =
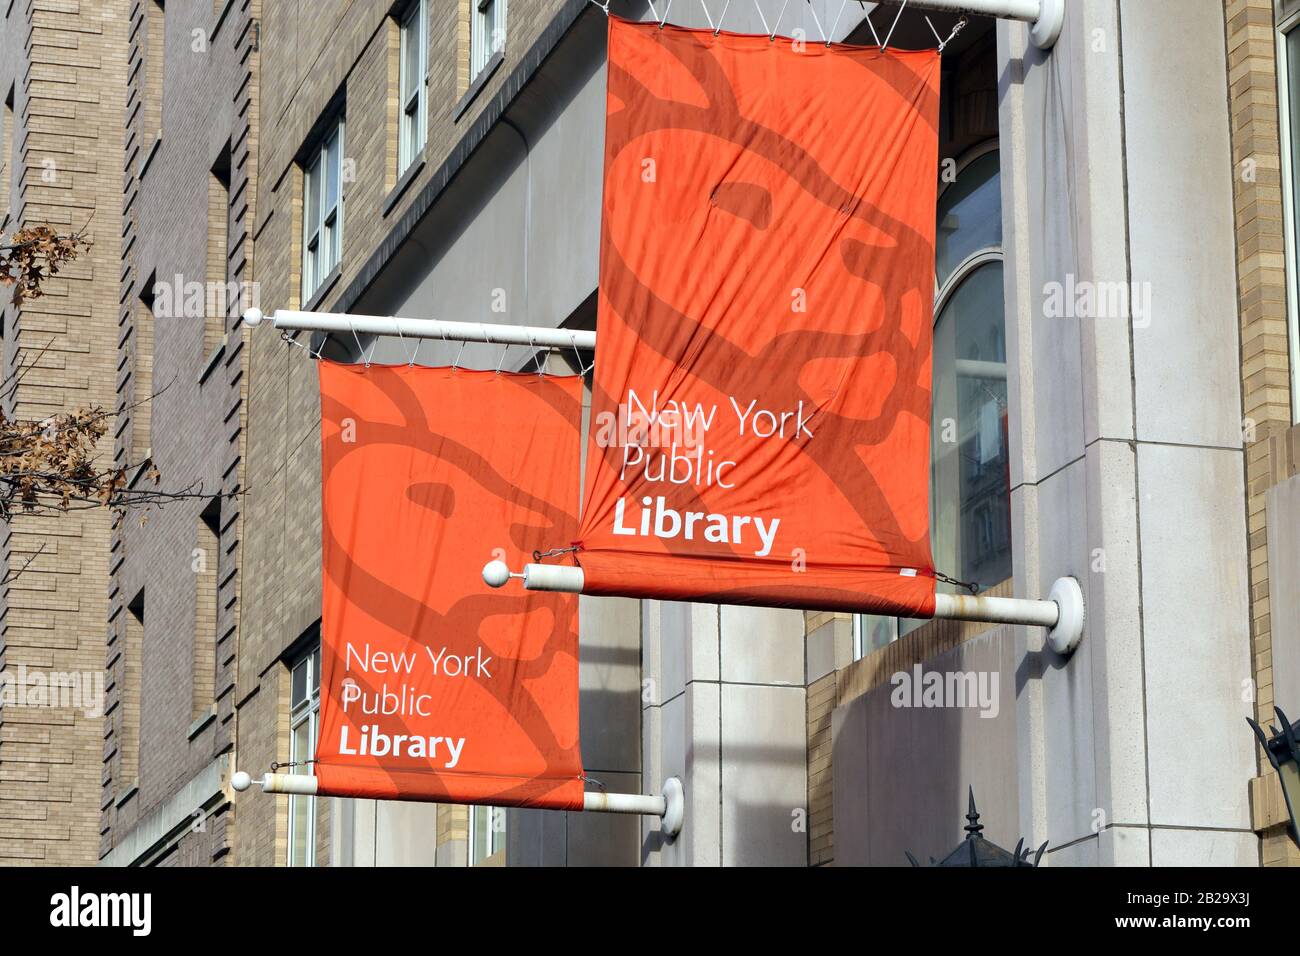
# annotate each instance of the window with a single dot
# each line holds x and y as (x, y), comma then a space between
(487, 833)
(970, 478)
(128, 741)
(204, 563)
(7, 160)
(487, 34)
(1288, 71)
(217, 300)
(412, 75)
(151, 83)
(142, 371)
(322, 210)
(304, 715)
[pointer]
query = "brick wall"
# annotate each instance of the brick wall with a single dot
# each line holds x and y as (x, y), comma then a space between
(1262, 292)
(318, 59)
(65, 64)
(822, 698)
(191, 100)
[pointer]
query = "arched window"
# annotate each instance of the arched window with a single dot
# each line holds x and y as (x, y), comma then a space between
(970, 505)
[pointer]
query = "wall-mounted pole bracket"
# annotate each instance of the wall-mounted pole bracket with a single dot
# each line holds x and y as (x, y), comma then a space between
(669, 805)
(1062, 613)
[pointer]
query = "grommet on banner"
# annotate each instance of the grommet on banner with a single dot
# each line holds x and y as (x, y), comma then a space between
(834, 25)
(884, 46)
(541, 370)
(360, 351)
(708, 16)
(1044, 25)
(721, 18)
(401, 338)
(817, 20)
(777, 25)
(871, 26)
(937, 39)
(578, 355)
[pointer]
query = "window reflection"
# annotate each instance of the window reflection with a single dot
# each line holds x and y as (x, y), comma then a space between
(969, 217)
(970, 504)
(970, 513)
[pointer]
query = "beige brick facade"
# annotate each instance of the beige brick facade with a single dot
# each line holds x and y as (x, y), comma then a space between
(320, 61)
(65, 65)
(1262, 290)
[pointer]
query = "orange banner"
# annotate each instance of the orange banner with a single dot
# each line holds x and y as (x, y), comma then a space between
(761, 410)
(434, 687)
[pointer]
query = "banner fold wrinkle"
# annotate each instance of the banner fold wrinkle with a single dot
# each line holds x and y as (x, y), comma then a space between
(434, 687)
(761, 410)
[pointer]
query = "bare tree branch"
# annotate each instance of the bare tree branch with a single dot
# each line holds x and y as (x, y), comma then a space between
(13, 575)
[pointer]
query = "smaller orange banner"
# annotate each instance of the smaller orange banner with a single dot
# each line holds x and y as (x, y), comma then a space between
(435, 687)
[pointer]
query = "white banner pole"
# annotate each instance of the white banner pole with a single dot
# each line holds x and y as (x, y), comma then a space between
(1062, 613)
(669, 805)
(538, 336)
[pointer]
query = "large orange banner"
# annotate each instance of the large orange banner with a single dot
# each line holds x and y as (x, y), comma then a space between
(434, 687)
(761, 410)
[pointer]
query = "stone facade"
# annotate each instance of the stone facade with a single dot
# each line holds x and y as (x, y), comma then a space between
(1165, 449)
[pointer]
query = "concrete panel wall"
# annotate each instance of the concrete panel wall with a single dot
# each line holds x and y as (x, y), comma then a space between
(1284, 565)
(902, 773)
(1126, 429)
(724, 711)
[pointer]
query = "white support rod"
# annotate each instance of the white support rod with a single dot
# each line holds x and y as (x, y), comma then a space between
(1026, 10)
(478, 332)
(646, 804)
(536, 336)
(1062, 613)
(1045, 17)
(996, 610)
(669, 805)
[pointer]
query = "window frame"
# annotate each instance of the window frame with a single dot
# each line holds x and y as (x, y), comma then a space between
(1288, 24)
(943, 294)
(303, 711)
(327, 228)
(495, 839)
(412, 121)
(483, 27)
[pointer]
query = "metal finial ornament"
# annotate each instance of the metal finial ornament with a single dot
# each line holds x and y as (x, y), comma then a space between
(976, 850)
(1283, 752)
(974, 828)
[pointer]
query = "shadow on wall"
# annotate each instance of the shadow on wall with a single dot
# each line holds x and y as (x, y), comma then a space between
(903, 758)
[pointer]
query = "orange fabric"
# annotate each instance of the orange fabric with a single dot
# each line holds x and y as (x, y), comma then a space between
(469, 695)
(767, 263)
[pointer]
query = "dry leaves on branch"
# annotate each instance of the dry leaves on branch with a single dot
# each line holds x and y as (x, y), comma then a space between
(34, 254)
